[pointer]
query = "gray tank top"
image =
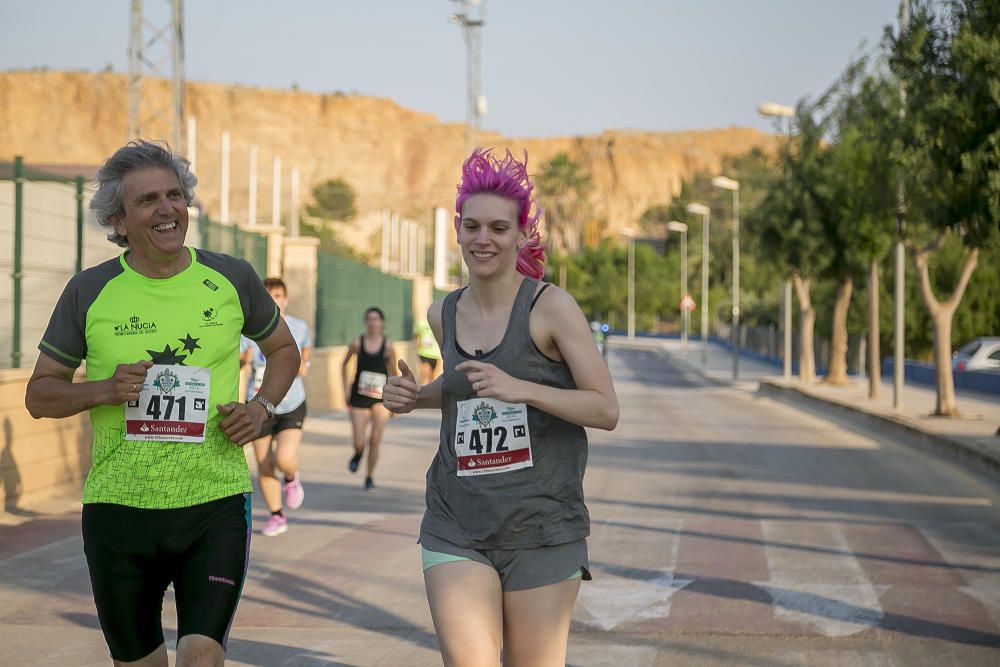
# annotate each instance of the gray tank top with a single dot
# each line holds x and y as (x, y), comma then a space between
(541, 505)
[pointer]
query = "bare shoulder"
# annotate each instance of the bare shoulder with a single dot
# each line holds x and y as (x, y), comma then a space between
(555, 302)
(434, 315)
(556, 320)
(434, 312)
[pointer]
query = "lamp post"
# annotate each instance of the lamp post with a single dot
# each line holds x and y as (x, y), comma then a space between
(734, 186)
(775, 110)
(630, 235)
(676, 226)
(471, 18)
(700, 209)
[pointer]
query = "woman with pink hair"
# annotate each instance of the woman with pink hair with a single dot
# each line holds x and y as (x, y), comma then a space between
(503, 537)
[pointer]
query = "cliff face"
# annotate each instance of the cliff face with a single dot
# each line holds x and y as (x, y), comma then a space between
(393, 157)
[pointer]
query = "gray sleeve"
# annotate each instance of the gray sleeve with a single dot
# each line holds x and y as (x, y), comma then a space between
(260, 312)
(65, 338)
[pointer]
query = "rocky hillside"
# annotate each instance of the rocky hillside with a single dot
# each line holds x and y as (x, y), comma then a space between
(393, 157)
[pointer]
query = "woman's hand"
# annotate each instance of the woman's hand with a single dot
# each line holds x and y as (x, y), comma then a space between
(400, 393)
(488, 381)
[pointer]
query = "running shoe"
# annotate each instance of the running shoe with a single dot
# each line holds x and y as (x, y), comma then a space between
(369, 484)
(294, 493)
(355, 460)
(276, 525)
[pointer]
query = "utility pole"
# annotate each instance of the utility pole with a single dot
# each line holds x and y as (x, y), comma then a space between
(471, 16)
(160, 55)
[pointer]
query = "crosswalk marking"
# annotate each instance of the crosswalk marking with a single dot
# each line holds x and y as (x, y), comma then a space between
(824, 588)
(620, 595)
(984, 578)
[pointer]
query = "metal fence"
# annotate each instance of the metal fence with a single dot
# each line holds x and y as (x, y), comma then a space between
(765, 344)
(47, 234)
(345, 289)
(232, 240)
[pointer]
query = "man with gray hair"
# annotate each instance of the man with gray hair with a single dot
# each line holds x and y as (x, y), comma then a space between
(167, 497)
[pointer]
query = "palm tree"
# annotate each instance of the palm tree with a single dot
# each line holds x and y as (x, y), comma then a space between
(563, 189)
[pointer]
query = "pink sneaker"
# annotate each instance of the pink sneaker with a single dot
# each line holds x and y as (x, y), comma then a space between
(294, 493)
(276, 525)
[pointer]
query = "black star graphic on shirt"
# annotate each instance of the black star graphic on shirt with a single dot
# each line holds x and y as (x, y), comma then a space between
(190, 344)
(168, 356)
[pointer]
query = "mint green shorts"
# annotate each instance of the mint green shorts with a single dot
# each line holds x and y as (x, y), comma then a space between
(519, 569)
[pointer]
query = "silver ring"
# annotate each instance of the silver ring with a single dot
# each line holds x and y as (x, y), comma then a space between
(476, 387)
(134, 385)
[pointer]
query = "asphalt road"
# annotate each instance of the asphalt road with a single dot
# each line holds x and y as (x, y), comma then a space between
(726, 530)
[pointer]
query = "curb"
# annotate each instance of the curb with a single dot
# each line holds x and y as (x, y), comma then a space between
(966, 453)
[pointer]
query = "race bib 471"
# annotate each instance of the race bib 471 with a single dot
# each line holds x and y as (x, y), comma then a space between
(491, 437)
(173, 405)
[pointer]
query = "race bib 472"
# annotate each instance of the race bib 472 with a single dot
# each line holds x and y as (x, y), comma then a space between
(491, 437)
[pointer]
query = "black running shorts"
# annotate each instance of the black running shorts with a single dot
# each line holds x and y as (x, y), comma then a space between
(285, 422)
(134, 554)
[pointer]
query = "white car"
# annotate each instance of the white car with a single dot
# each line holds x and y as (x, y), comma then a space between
(982, 354)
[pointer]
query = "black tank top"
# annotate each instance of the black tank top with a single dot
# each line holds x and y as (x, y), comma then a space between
(373, 363)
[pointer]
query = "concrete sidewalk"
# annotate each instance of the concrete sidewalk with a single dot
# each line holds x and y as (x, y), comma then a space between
(969, 439)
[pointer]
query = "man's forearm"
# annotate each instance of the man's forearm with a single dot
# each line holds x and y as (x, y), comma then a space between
(56, 398)
(281, 369)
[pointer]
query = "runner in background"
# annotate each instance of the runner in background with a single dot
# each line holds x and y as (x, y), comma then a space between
(427, 350)
(277, 447)
(368, 415)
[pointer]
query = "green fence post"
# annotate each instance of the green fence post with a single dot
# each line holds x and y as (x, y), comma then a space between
(15, 353)
(79, 224)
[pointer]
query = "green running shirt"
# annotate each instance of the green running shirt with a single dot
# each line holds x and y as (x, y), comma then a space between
(111, 315)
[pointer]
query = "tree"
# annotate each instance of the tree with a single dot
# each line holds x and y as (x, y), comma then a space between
(856, 202)
(563, 189)
(787, 222)
(333, 200)
(653, 224)
(754, 171)
(597, 280)
(948, 65)
(867, 194)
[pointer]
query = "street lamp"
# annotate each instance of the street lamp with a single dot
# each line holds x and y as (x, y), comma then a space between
(700, 209)
(775, 110)
(630, 234)
(734, 186)
(675, 226)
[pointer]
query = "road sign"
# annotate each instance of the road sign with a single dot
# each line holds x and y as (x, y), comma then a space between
(687, 303)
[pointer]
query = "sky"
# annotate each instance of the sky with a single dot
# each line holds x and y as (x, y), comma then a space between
(549, 67)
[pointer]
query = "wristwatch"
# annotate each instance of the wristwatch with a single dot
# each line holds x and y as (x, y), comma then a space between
(268, 405)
